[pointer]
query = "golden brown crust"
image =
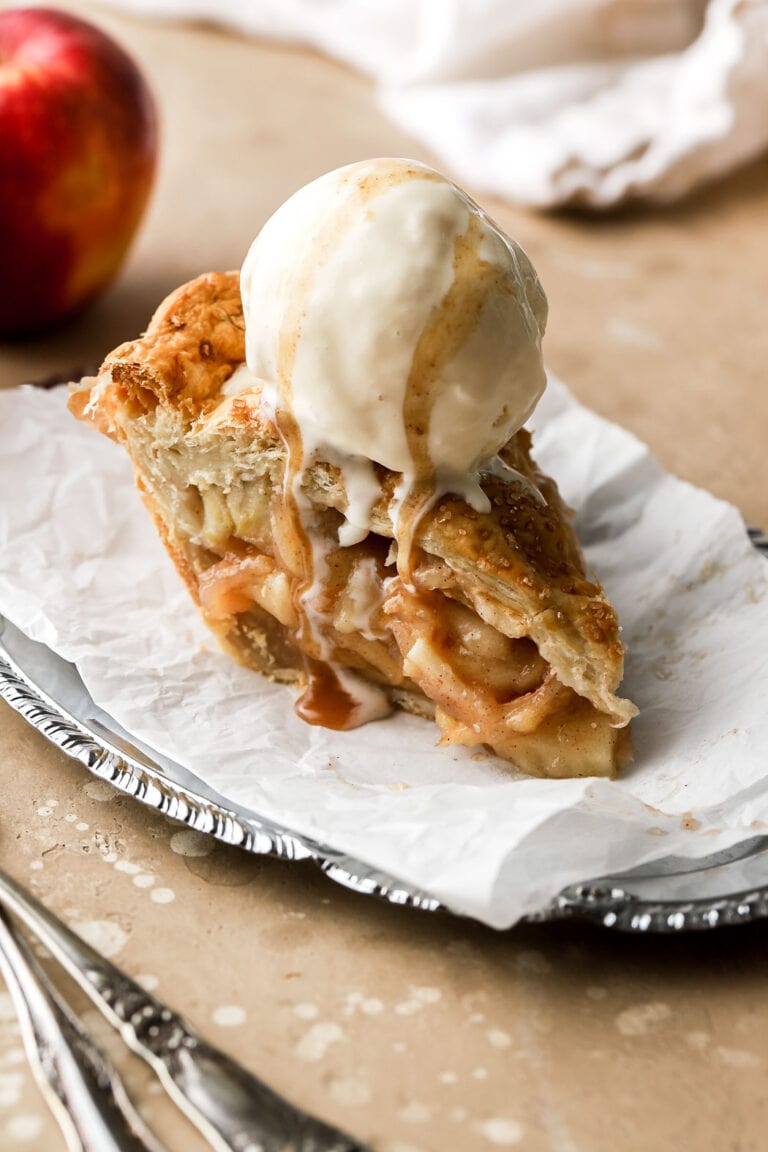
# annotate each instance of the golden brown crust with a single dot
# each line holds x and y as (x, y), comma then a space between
(194, 341)
(210, 468)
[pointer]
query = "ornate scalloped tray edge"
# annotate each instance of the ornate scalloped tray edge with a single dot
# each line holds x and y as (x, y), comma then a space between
(656, 898)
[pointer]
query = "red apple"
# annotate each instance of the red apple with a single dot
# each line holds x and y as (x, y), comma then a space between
(78, 146)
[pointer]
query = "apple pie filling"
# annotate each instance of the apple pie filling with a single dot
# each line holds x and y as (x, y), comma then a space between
(485, 686)
(490, 626)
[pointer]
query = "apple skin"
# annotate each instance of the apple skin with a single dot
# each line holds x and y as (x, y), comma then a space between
(78, 151)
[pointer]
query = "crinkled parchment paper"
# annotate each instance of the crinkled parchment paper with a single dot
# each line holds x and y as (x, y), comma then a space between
(82, 570)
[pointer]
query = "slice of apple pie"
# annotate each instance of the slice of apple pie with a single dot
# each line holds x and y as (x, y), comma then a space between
(489, 625)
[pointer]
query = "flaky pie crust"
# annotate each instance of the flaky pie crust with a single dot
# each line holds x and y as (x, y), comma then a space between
(505, 640)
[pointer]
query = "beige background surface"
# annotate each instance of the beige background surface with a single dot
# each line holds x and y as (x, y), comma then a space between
(417, 1033)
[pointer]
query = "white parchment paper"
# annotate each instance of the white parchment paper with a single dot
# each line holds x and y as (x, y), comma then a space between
(82, 570)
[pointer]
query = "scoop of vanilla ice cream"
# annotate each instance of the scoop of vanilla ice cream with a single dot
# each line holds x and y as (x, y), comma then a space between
(380, 297)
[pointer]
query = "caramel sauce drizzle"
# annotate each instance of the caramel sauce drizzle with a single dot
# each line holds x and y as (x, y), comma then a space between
(449, 325)
(325, 701)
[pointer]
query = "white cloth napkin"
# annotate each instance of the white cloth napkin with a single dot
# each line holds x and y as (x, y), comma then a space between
(548, 102)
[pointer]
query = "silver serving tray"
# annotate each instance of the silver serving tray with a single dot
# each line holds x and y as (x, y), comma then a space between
(670, 895)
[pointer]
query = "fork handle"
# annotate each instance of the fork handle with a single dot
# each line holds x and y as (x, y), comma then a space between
(232, 1108)
(81, 1087)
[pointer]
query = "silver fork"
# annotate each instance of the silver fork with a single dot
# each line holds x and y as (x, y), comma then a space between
(234, 1110)
(82, 1088)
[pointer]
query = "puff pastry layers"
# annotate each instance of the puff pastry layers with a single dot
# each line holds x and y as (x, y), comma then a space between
(501, 638)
